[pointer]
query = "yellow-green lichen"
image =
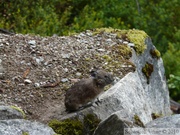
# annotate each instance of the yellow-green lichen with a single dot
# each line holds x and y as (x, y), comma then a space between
(155, 53)
(25, 133)
(122, 51)
(20, 110)
(138, 38)
(107, 58)
(75, 126)
(138, 121)
(147, 70)
(155, 115)
(135, 36)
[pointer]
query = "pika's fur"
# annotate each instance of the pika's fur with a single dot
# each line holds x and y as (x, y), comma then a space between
(86, 90)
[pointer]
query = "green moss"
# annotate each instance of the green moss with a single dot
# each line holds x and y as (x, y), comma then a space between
(67, 127)
(75, 126)
(122, 51)
(155, 115)
(90, 123)
(20, 110)
(147, 70)
(107, 58)
(135, 36)
(138, 121)
(25, 133)
(155, 53)
(138, 38)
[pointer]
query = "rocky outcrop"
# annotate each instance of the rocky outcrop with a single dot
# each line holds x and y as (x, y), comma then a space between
(37, 81)
(12, 123)
(140, 94)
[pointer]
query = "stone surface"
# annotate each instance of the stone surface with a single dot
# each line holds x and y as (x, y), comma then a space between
(114, 124)
(7, 112)
(2, 70)
(133, 94)
(55, 58)
(21, 126)
(165, 122)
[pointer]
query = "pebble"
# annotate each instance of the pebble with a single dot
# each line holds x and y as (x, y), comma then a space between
(125, 42)
(64, 56)
(37, 85)
(27, 81)
(66, 70)
(78, 74)
(32, 42)
(64, 80)
(101, 50)
(131, 44)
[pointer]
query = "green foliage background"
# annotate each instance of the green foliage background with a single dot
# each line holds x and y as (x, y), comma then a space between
(160, 19)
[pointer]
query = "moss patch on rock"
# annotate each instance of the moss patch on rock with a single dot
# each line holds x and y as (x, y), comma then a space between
(90, 123)
(75, 126)
(147, 70)
(25, 133)
(155, 53)
(67, 127)
(155, 115)
(134, 36)
(138, 121)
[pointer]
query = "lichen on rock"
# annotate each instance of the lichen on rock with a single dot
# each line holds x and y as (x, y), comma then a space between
(155, 53)
(147, 70)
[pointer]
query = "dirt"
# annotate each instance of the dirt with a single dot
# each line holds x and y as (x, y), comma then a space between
(36, 71)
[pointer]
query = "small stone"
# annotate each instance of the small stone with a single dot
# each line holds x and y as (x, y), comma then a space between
(101, 50)
(39, 60)
(65, 69)
(32, 42)
(120, 40)
(131, 44)
(37, 85)
(64, 56)
(109, 40)
(125, 42)
(27, 81)
(78, 74)
(64, 80)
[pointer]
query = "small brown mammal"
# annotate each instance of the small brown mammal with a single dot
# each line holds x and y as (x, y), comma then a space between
(86, 90)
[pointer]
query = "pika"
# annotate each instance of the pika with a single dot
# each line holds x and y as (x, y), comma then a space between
(86, 90)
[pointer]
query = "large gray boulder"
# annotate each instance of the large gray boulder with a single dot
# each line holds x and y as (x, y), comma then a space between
(135, 94)
(21, 127)
(138, 94)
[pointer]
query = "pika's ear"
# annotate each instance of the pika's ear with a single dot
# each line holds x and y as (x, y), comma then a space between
(93, 73)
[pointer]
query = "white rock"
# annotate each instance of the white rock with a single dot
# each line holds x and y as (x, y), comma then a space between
(32, 42)
(27, 81)
(131, 44)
